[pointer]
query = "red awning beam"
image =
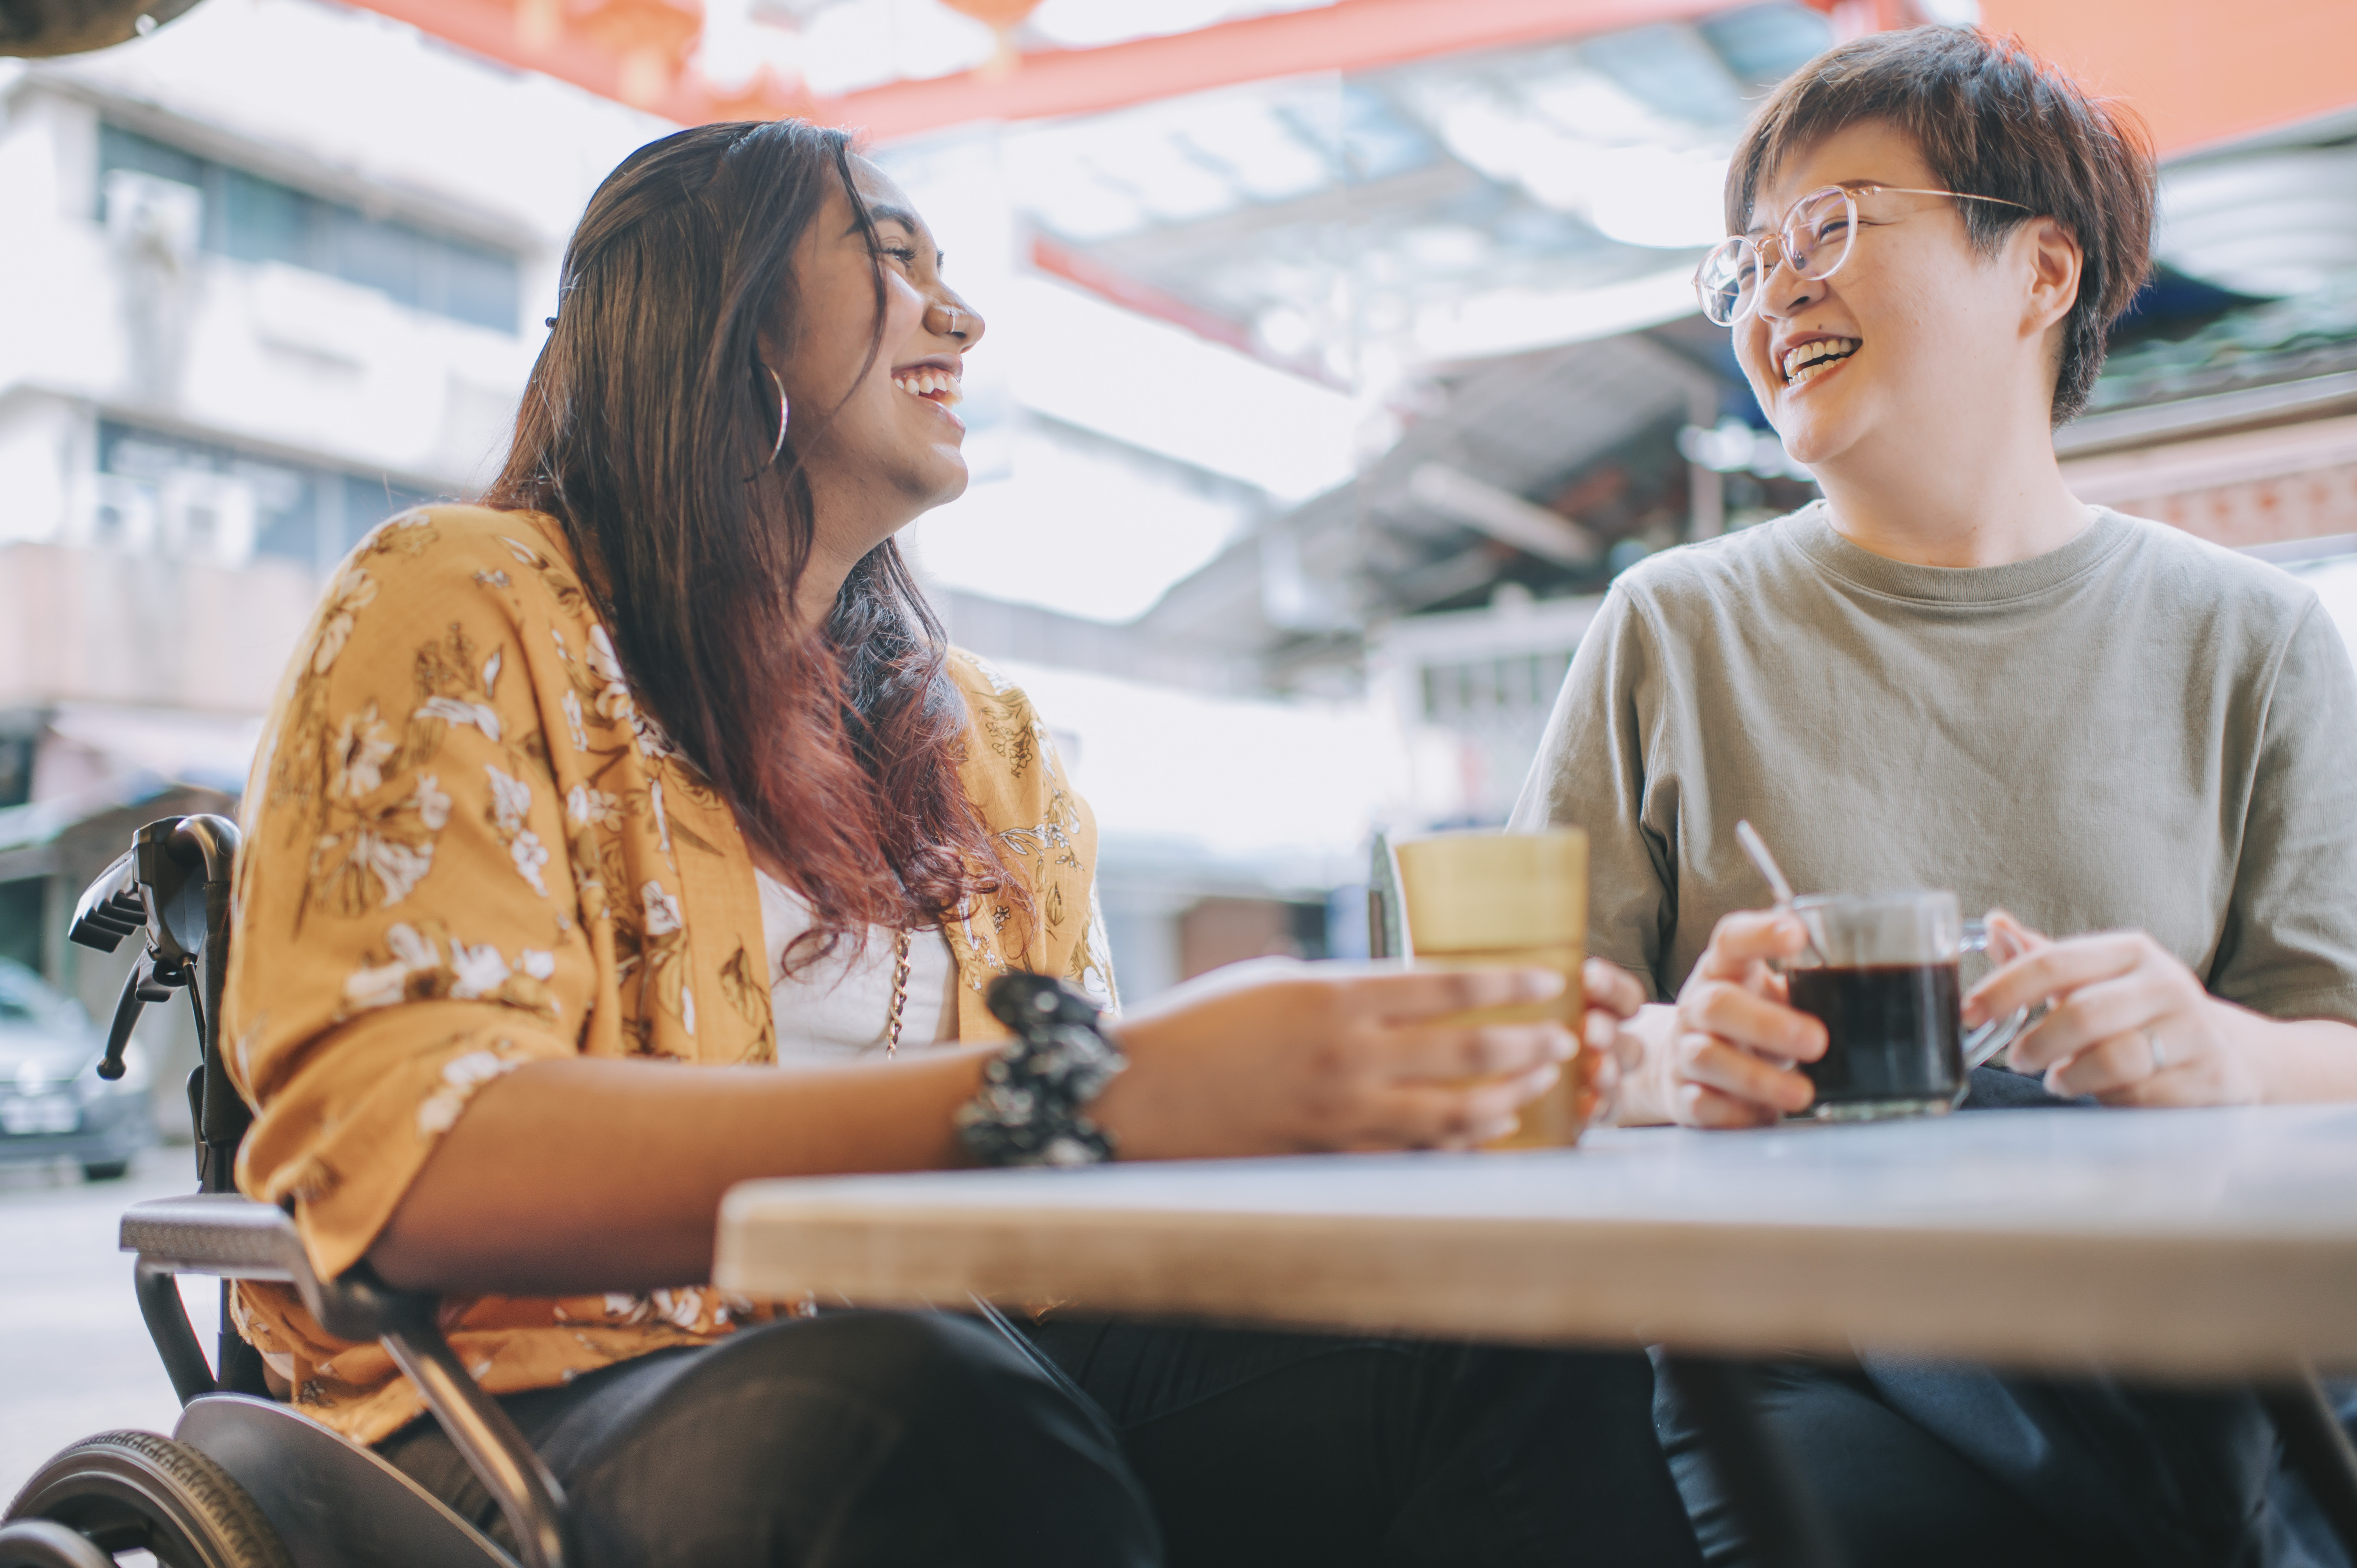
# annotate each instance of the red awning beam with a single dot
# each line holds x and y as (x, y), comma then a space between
(638, 51)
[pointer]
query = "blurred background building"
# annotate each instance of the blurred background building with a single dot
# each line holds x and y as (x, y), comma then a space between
(1341, 352)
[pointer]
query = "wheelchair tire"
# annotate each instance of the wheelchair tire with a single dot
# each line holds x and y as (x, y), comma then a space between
(127, 1490)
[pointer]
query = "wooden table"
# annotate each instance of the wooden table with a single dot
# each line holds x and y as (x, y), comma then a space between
(2218, 1244)
(2215, 1243)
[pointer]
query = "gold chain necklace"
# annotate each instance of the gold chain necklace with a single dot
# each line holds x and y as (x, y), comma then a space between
(899, 993)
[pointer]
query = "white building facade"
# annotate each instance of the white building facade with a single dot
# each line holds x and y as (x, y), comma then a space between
(230, 345)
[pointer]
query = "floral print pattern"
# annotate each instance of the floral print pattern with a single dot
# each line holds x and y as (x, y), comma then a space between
(1054, 850)
(467, 848)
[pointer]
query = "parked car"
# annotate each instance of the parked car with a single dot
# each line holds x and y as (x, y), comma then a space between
(53, 1105)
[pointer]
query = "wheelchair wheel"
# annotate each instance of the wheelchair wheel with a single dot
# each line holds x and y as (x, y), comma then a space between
(128, 1490)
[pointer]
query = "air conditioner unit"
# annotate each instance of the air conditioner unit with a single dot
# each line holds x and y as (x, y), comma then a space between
(121, 514)
(205, 516)
(158, 219)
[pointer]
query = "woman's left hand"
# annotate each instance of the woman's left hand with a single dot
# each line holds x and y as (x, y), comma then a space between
(2131, 1024)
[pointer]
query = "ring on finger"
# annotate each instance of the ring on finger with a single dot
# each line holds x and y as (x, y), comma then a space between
(2159, 1051)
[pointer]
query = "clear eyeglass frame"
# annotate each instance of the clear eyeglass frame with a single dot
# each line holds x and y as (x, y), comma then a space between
(1814, 237)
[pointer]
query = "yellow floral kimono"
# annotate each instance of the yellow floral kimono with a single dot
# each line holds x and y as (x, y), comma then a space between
(467, 848)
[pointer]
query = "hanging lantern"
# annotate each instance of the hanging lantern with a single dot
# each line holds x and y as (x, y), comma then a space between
(1003, 17)
(41, 29)
(651, 37)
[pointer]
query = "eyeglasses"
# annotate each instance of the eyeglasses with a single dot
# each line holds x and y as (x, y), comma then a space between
(1814, 240)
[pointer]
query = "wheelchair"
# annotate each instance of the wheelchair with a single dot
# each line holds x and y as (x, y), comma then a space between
(244, 1481)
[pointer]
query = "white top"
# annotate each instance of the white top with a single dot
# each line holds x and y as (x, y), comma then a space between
(841, 1006)
(2187, 1242)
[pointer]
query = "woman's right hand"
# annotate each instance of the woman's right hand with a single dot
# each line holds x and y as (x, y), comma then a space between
(1317, 1057)
(1736, 1038)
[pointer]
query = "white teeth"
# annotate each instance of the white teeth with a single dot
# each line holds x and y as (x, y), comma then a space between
(1811, 357)
(930, 384)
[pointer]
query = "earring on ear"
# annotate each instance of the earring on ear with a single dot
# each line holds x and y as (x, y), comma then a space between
(780, 445)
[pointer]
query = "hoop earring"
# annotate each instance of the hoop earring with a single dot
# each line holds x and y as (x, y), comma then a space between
(783, 411)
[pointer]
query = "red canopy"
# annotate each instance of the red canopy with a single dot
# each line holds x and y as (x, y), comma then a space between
(2199, 72)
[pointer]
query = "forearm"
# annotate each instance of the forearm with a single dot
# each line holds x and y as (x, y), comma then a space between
(581, 1176)
(2295, 1060)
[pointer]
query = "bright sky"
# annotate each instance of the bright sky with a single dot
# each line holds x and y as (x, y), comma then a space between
(1293, 787)
(1074, 529)
(1077, 359)
(1056, 518)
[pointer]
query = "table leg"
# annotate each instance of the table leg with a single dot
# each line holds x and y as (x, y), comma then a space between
(1779, 1515)
(2318, 1450)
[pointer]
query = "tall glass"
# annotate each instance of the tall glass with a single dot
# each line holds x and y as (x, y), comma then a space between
(1477, 900)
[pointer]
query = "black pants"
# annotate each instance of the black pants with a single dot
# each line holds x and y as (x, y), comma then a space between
(1300, 1451)
(853, 1440)
(1920, 1465)
(907, 1441)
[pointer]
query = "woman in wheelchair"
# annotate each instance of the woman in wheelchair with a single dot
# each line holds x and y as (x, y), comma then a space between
(636, 833)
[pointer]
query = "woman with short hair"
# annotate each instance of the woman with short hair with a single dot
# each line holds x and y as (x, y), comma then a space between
(1950, 674)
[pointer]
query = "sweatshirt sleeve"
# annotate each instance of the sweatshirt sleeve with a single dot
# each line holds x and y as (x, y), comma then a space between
(2290, 945)
(1591, 773)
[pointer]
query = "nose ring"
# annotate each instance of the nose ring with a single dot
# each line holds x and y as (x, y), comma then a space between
(950, 326)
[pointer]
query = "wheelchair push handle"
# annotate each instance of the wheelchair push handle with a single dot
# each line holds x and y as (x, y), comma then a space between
(172, 886)
(139, 988)
(153, 887)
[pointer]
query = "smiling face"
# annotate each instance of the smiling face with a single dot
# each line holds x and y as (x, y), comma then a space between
(880, 442)
(1918, 343)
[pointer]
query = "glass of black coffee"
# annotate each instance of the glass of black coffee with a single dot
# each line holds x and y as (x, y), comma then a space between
(1881, 973)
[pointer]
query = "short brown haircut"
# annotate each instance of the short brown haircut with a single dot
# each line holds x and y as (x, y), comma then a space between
(1991, 120)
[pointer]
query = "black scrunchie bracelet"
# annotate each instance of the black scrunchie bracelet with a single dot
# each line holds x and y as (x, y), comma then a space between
(1029, 1109)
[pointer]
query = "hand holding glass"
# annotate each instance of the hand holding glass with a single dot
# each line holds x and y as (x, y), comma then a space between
(1504, 901)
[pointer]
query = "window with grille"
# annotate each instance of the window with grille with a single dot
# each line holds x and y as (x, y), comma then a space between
(252, 218)
(166, 493)
(1493, 691)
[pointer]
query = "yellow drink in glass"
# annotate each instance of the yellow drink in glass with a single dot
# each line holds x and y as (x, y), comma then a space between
(1508, 901)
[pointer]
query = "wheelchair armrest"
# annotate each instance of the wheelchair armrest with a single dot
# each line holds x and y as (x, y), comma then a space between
(223, 1233)
(239, 1238)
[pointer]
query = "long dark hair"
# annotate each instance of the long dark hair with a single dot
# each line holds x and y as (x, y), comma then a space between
(646, 431)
